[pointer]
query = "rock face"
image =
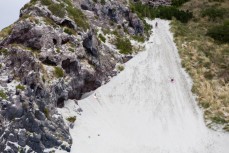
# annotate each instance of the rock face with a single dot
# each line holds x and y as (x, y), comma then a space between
(156, 3)
(51, 55)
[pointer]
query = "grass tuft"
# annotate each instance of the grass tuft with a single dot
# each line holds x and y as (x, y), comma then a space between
(71, 119)
(57, 10)
(102, 38)
(20, 87)
(59, 73)
(3, 94)
(124, 45)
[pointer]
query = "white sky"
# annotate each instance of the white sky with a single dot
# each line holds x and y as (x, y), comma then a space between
(9, 11)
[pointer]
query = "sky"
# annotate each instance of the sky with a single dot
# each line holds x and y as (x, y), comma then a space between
(9, 11)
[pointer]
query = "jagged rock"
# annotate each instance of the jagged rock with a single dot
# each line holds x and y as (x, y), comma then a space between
(136, 23)
(90, 43)
(156, 3)
(35, 143)
(71, 67)
(12, 137)
(22, 138)
(39, 115)
(13, 147)
(54, 59)
(12, 112)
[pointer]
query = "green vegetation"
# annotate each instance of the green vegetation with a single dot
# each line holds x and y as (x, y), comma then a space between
(120, 67)
(3, 94)
(220, 33)
(59, 73)
(138, 38)
(64, 7)
(46, 112)
(68, 2)
(57, 10)
(147, 28)
(48, 21)
(5, 32)
(207, 60)
(218, 120)
(71, 119)
(58, 50)
(3, 51)
(103, 2)
(164, 12)
(71, 49)
(20, 87)
(69, 31)
(31, 3)
(78, 16)
(214, 12)
(46, 2)
(102, 38)
(124, 45)
(179, 2)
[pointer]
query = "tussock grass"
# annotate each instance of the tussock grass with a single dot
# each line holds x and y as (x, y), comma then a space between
(124, 45)
(206, 60)
(3, 94)
(59, 73)
(5, 32)
(78, 16)
(71, 119)
(120, 68)
(20, 87)
(102, 38)
(57, 10)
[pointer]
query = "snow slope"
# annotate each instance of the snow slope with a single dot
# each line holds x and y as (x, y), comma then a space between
(142, 111)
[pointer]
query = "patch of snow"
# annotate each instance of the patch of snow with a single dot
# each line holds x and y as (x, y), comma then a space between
(12, 85)
(141, 110)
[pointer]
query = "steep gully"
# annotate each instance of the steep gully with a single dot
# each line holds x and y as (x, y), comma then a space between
(141, 110)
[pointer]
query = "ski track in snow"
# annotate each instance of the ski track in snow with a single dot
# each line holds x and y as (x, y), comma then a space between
(142, 111)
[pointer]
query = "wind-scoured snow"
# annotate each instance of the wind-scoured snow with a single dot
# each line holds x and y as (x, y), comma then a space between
(142, 111)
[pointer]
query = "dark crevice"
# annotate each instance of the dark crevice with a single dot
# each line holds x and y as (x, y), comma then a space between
(67, 23)
(54, 41)
(60, 102)
(70, 66)
(47, 61)
(64, 41)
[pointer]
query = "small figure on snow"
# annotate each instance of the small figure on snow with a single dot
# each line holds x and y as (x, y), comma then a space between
(172, 80)
(95, 96)
(156, 24)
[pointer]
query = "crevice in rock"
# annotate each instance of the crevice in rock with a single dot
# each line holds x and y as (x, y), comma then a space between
(67, 23)
(60, 102)
(54, 41)
(64, 41)
(32, 86)
(70, 66)
(47, 61)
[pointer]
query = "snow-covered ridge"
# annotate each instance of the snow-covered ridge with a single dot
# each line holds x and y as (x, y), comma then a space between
(141, 110)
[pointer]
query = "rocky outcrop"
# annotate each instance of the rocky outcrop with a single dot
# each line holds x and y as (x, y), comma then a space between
(47, 58)
(114, 12)
(156, 3)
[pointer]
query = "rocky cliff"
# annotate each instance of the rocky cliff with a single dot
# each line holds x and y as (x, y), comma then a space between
(156, 3)
(57, 50)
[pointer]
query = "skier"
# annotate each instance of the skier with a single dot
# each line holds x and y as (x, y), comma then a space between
(156, 25)
(172, 80)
